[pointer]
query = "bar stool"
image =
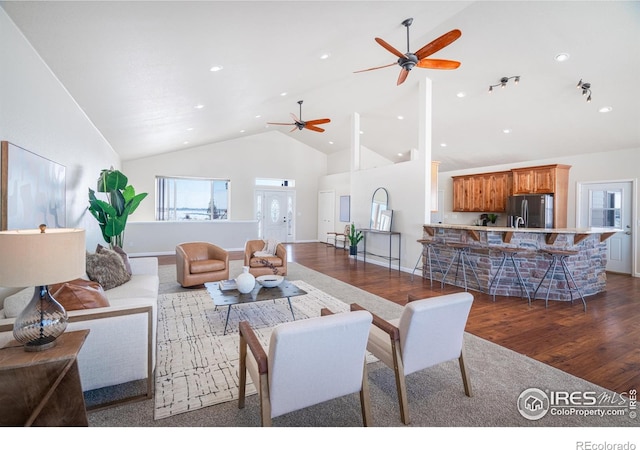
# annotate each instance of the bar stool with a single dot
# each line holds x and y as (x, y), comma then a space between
(560, 255)
(509, 253)
(460, 256)
(428, 243)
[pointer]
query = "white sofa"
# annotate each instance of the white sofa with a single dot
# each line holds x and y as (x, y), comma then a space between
(121, 343)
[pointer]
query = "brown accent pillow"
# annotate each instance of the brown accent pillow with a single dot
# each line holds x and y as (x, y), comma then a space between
(79, 294)
(107, 268)
(122, 253)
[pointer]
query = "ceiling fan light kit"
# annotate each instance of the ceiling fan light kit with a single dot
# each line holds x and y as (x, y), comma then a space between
(409, 60)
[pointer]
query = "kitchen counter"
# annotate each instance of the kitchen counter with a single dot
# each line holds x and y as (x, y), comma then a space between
(588, 266)
(551, 234)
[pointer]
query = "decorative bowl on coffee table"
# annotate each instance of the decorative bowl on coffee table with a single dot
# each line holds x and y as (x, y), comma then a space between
(270, 280)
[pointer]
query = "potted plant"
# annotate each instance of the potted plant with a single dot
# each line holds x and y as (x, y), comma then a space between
(355, 236)
(492, 218)
(122, 201)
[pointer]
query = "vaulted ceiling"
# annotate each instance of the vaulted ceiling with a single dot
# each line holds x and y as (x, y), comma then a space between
(139, 69)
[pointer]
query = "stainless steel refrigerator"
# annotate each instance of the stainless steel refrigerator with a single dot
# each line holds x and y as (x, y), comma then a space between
(536, 210)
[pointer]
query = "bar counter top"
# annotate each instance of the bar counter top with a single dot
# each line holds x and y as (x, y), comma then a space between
(550, 233)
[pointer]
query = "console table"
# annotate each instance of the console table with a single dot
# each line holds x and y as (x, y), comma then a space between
(42, 388)
(389, 234)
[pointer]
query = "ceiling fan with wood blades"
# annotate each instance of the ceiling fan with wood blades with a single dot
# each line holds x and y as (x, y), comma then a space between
(299, 124)
(408, 61)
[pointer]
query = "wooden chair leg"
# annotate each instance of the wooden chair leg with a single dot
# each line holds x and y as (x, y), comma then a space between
(365, 402)
(466, 379)
(242, 372)
(401, 385)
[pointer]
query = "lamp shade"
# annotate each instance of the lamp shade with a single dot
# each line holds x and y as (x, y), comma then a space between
(35, 258)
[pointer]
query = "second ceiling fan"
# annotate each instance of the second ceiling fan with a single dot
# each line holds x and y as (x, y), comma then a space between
(300, 124)
(408, 61)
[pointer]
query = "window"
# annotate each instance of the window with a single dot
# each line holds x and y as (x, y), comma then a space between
(192, 198)
(606, 208)
(272, 182)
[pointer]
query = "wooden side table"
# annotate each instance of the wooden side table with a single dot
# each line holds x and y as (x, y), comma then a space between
(42, 388)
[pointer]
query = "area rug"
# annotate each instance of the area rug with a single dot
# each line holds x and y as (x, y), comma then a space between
(197, 364)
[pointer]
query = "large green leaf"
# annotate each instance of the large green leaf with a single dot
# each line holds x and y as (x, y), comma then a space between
(111, 180)
(133, 204)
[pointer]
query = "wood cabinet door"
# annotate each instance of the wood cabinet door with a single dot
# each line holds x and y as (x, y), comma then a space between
(496, 192)
(458, 194)
(523, 181)
(544, 180)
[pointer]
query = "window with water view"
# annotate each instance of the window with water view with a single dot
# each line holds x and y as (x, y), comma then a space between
(192, 198)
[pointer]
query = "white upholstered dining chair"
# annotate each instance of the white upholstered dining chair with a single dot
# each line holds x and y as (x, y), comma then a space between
(309, 361)
(429, 332)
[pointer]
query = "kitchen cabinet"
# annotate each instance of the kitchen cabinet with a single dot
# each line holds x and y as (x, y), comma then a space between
(549, 179)
(485, 192)
(540, 179)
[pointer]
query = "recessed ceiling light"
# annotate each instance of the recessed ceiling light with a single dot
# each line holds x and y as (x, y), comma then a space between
(461, 94)
(400, 117)
(561, 57)
(399, 154)
(443, 144)
(216, 68)
(606, 109)
(185, 142)
(242, 131)
(199, 106)
(282, 94)
(361, 132)
(506, 130)
(325, 55)
(190, 129)
(330, 142)
(258, 116)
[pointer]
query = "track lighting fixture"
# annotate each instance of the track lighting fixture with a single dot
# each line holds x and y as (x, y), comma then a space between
(586, 89)
(504, 81)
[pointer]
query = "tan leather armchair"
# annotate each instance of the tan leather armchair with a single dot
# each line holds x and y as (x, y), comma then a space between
(201, 262)
(256, 268)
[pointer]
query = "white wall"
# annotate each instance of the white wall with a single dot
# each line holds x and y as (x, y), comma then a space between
(38, 114)
(405, 185)
(340, 162)
(266, 155)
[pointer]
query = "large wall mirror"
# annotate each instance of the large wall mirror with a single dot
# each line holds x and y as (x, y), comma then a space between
(381, 215)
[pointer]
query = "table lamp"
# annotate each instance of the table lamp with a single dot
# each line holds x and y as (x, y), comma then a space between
(40, 258)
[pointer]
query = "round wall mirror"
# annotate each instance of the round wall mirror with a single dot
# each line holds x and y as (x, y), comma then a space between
(379, 203)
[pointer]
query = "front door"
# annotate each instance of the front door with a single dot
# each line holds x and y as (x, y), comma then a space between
(609, 205)
(275, 212)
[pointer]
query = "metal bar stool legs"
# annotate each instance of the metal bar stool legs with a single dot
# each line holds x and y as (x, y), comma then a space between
(459, 258)
(429, 245)
(560, 256)
(511, 252)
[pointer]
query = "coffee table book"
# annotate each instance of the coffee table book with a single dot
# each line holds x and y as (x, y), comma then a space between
(227, 285)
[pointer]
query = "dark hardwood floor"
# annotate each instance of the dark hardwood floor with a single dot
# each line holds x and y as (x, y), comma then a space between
(599, 345)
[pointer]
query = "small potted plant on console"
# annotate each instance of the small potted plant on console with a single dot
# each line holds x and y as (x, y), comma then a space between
(355, 236)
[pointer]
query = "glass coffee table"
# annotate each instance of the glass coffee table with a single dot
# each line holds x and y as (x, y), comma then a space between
(259, 294)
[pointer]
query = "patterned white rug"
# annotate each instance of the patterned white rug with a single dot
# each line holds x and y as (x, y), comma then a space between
(197, 365)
